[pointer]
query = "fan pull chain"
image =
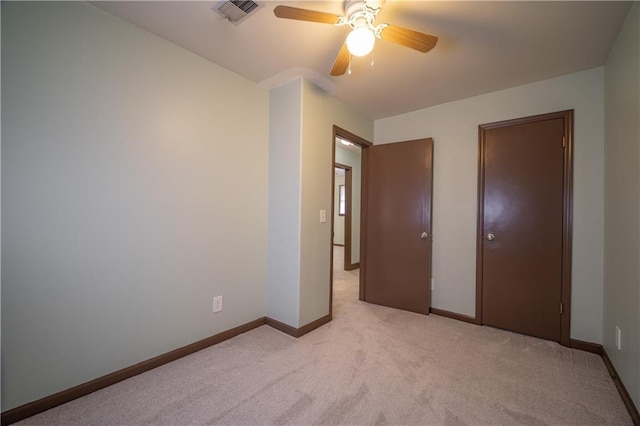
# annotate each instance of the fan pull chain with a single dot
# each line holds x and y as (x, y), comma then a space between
(349, 69)
(372, 57)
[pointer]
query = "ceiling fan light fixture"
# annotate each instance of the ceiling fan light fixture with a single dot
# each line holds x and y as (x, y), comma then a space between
(360, 16)
(360, 41)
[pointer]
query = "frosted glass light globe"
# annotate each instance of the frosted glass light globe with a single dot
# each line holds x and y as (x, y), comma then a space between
(360, 41)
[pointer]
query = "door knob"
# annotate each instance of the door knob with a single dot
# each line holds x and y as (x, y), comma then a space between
(424, 235)
(491, 237)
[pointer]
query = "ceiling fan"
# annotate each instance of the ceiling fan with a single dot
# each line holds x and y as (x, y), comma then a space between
(360, 16)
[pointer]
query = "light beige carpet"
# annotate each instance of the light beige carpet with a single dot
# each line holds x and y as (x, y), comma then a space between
(370, 365)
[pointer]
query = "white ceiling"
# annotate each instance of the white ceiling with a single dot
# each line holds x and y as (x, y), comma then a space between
(483, 46)
(348, 147)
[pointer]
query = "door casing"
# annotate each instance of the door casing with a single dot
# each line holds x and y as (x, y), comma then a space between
(567, 214)
(348, 216)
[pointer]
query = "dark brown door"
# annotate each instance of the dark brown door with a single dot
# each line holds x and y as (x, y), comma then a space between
(522, 225)
(396, 263)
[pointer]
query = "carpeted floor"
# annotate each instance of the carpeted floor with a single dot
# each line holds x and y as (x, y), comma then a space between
(370, 365)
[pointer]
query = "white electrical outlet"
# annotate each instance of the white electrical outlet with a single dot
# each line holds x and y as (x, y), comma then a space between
(217, 304)
(323, 216)
(618, 338)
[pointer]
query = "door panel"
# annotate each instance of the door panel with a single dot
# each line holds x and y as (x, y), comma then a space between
(396, 268)
(522, 226)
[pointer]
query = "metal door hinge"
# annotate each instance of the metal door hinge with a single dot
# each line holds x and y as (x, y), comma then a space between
(561, 308)
(564, 142)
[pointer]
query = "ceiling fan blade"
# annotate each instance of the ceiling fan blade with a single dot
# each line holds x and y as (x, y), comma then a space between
(342, 61)
(288, 12)
(409, 38)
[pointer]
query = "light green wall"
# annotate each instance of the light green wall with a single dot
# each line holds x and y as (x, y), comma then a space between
(320, 111)
(454, 128)
(622, 203)
(353, 159)
(133, 191)
(306, 132)
(283, 259)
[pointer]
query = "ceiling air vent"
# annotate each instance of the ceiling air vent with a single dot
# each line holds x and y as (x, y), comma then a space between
(236, 11)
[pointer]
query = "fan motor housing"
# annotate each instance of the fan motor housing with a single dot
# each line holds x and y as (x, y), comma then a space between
(353, 6)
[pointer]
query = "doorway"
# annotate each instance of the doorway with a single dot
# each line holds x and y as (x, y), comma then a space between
(395, 237)
(347, 196)
(343, 213)
(524, 225)
(348, 150)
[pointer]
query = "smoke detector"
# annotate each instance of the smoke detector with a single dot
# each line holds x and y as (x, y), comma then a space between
(236, 11)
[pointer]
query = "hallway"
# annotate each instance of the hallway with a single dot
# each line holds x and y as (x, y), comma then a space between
(345, 283)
